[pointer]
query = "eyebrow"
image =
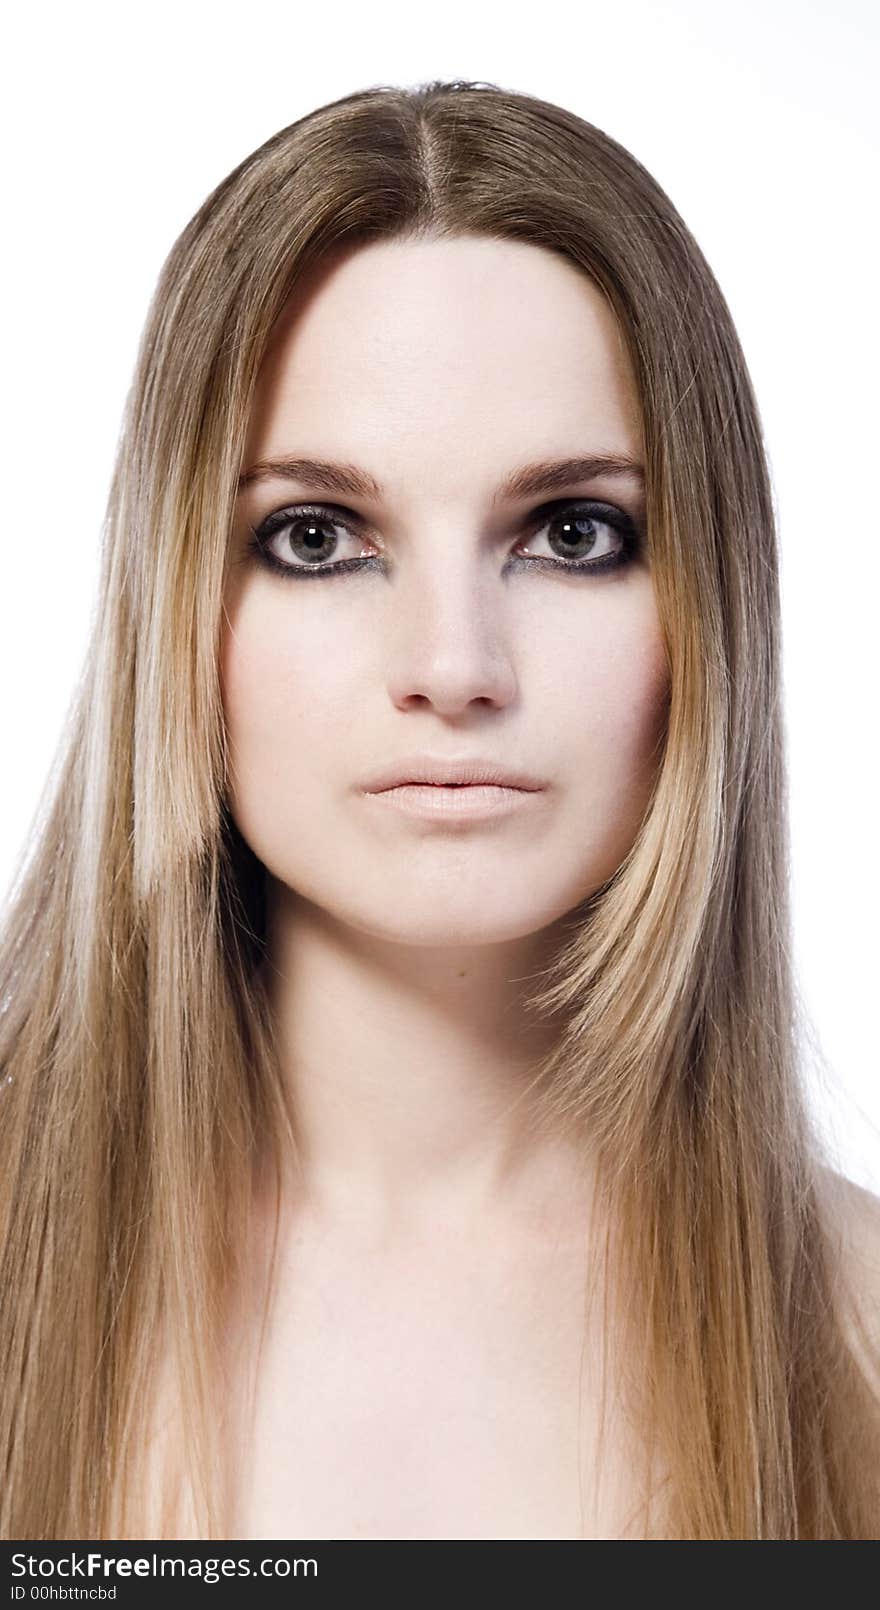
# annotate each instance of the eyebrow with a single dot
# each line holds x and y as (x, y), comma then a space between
(530, 480)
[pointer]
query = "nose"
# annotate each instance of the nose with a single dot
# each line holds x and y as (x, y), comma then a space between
(448, 641)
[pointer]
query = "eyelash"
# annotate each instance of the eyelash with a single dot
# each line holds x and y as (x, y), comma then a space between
(603, 513)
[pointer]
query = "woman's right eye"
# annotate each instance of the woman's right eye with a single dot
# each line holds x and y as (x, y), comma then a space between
(306, 534)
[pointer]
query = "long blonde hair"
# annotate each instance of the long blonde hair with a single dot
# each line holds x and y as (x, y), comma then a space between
(140, 1073)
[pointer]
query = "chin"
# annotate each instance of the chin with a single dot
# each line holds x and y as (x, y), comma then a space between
(453, 922)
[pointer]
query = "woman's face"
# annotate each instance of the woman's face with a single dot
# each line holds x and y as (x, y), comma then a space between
(439, 369)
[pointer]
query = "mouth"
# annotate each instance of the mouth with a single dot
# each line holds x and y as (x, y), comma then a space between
(448, 788)
(454, 802)
(424, 771)
(421, 782)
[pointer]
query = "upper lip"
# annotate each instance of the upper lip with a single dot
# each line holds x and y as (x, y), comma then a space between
(434, 769)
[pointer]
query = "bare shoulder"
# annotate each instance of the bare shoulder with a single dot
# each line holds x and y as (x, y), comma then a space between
(853, 1216)
(854, 1213)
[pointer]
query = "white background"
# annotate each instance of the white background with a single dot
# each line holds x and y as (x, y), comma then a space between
(759, 120)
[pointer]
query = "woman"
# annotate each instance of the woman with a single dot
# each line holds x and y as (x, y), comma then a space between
(403, 1134)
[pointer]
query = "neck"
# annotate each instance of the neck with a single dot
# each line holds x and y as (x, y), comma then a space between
(409, 1068)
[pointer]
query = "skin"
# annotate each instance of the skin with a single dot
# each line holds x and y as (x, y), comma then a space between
(400, 949)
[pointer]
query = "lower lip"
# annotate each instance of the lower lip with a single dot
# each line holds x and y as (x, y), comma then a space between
(472, 802)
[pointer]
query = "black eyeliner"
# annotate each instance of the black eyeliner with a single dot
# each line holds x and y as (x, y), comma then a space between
(606, 514)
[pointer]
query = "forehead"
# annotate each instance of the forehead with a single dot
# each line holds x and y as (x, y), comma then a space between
(473, 345)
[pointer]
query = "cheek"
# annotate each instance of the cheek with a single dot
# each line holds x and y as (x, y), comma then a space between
(605, 678)
(608, 720)
(289, 704)
(632, 692)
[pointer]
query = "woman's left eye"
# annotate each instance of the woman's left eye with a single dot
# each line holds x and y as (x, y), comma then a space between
(580, 534)
(583, 537)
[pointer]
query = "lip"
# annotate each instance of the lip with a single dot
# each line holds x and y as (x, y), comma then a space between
(448, 775)
(461, 802)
